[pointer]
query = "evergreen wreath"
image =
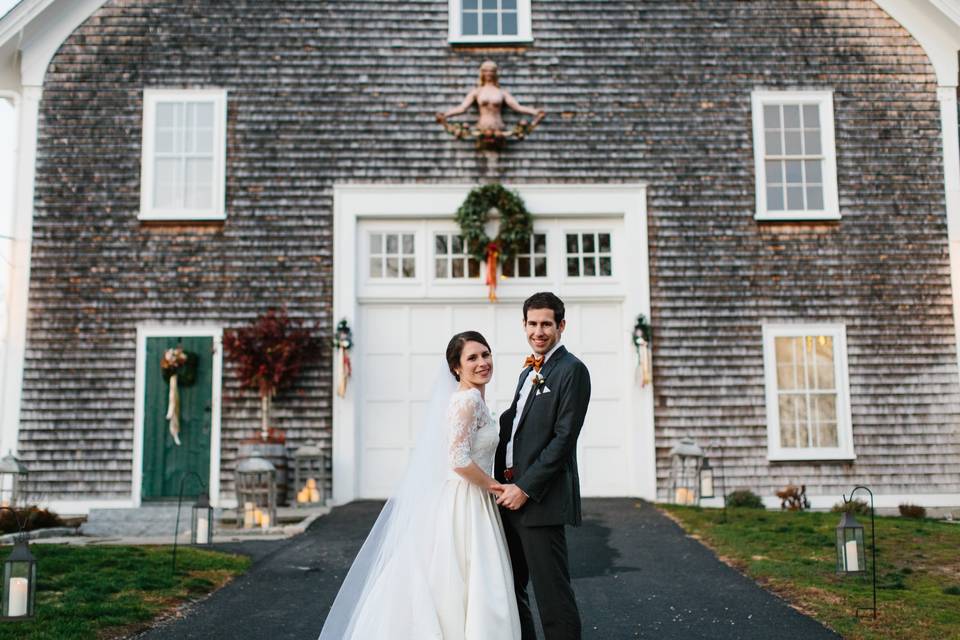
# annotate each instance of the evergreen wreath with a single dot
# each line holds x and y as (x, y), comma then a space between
(180, 363)
(516, 223)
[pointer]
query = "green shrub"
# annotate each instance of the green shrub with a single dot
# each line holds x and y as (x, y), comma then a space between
(744, 498)
(912, 511)
(952, 590)
(857, 507)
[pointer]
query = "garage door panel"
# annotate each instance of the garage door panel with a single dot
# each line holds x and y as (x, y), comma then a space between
(385, 426)
(604, 471)
(605, 424)
(603, 323)
(385, 330)
(380, 379)
(381, 471)
(417, 414)
(423, 370)
(606, 375)
(430, 329)
(511, 338)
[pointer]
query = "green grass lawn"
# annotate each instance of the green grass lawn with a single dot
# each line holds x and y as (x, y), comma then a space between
(104, 592)
(794, 555)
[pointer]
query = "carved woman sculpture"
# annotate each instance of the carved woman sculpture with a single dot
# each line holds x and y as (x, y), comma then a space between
(490, 98)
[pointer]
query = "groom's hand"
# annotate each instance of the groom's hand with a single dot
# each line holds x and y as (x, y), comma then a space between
(495, 488)
(512, 497)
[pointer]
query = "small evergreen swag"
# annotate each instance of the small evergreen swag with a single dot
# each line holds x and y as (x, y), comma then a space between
(516, 223)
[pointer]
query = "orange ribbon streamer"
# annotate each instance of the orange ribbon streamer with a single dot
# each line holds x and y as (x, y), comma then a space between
(493, 253)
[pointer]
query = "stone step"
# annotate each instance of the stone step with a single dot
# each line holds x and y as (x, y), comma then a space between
(146, 521)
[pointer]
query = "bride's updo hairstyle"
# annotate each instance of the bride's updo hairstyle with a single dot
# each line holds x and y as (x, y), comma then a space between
(455, 348)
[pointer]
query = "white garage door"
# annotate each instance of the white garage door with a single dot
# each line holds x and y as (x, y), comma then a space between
(419, 289)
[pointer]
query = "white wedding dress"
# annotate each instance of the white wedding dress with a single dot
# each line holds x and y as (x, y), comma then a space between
(439, 572)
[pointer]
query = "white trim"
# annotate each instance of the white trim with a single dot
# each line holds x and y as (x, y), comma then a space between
(151, 97)
(824, 100)
(524, 27)
(951, 178)
(22, 232)
(353, 203)
(841, 375)
(160, 330)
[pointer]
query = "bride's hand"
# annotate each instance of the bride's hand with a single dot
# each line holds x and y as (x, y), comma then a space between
(495, 488)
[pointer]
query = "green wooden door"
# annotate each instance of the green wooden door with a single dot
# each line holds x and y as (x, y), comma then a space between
(164, 462)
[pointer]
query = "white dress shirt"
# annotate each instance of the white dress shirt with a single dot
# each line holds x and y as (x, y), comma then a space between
(522, 401)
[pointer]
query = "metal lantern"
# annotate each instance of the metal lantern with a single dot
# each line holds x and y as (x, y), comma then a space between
(685, 456)
(256, 493)
(851, 555)
(13, 480)
(706, 479)
(201, 531)
(310, 475)
(19, 583)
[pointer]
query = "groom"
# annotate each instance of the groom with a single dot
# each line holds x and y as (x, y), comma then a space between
(537, 464)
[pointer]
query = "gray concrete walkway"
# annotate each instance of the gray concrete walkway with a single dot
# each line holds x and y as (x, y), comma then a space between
(635, 573)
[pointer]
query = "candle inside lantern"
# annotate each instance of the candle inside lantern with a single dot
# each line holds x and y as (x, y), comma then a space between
(851, 556)
(706, 485)
(17, 605)
(248, 515)
(314, 495)
(303, 496)
(257, 516)
(684, 496)
(264, 520)
(202, 529)
(311, 483)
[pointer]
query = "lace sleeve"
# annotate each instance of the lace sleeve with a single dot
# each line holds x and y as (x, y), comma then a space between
(463, 416)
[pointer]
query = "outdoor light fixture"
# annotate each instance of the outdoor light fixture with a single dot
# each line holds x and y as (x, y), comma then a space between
(19, 579)
(686, 449)
(201, 529)
(13, 478)
(851, 552)
(706, 479)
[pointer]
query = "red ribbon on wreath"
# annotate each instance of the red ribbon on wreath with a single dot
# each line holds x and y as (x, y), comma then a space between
(493, 255)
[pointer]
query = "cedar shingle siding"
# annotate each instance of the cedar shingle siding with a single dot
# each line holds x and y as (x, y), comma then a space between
(655, 92)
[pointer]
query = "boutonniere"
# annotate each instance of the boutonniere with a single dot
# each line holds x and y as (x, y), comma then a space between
(537, 380)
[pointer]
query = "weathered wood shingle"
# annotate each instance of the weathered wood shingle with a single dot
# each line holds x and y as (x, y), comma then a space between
(655, 92)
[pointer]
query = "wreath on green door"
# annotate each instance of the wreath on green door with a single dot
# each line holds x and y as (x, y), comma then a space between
(513, 236)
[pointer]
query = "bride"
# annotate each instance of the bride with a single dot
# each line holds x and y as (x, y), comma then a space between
(435, 565)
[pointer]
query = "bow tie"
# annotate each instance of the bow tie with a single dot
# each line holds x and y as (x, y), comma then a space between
(533, 361)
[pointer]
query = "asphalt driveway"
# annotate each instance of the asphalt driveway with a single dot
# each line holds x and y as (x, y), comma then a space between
(635, 572)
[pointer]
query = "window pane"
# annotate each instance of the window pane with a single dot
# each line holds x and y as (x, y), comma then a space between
(791, 116)
(166, 140)
(376, 268)
(199, 190)
(440, 270)
(813, 172)
(788, 419)
(509, 21)
(815, 198)
(393, 268)
(785, 350)
(811, 116)
(457, 245)
(775, 198)
(474, 268)
(794, 171)
(167, 113)
(409, 268)
(393, 242)
(508, 5)
(791, 143)
(828, 435)
(539, 243)
(606, 267)
(470, 4)
(489, 23)
(572, 244)
(408, 244)
(774, 171)
(573, 267)
(540, 267)
(490, 5)
(794, 198)
(823, 360)
(376, 243)
(811, 142)
(470, 24)
(772, 142)
(589, 266)
(457, 268)
(825, 412)
(508, 269)
(588, 244)
(440, 245)
(771, 116)
(604, 242)
(523, 267)
(202, 114)
(167, 192)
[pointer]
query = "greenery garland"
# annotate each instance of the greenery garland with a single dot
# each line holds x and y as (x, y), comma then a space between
(516, 223)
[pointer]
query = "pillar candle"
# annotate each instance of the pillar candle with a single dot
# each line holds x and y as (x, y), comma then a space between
(851, 556)
(706, 488)
(303, 496)
(311, 483)
(248, 515)
(19, 588)
(202, 529)
(265, 520)
(314, 495)
(257, 516)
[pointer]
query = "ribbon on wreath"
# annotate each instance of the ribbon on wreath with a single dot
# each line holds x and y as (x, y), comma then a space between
(173, 410)
(642, 334)
(493, 256)
(343, 341)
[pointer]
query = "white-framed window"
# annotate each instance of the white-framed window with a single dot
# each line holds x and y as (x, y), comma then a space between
(182, 170)
(795, 155)
(489, 21)
(807, 392)
(392, 255)
(531, 263)
(450, 258)
(589, 254)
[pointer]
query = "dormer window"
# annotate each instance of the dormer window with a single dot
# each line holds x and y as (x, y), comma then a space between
(489, 21)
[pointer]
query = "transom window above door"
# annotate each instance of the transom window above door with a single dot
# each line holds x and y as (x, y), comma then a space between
(393, 255)
(451, 260)
(589, 255)
(531, 263)
(183, 155)
(489, 21)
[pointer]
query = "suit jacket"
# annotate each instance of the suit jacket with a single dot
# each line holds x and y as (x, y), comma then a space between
(545, 445)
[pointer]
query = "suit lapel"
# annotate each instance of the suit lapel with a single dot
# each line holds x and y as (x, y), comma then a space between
(547, 368)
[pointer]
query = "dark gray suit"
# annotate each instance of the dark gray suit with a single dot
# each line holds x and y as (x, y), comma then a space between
(545, 468)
